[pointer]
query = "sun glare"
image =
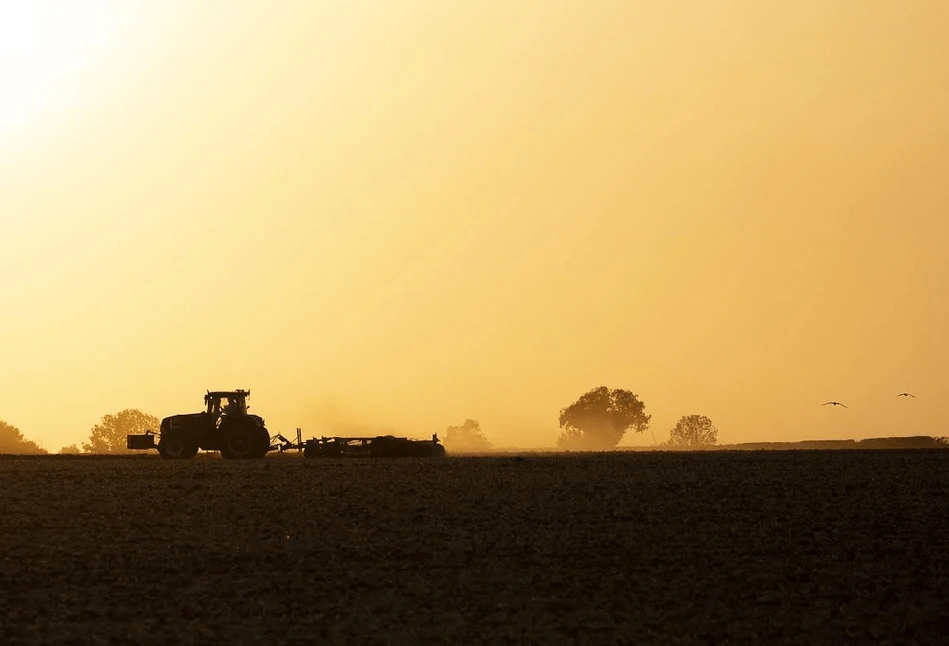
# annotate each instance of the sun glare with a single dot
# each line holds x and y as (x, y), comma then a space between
(43, 46)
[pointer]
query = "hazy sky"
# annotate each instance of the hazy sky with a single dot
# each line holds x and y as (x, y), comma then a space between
(403, 214)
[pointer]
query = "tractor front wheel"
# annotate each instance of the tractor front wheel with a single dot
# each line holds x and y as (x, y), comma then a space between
(176, 447)
(246, 444)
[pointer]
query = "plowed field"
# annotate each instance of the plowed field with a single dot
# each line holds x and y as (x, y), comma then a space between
(726, 547)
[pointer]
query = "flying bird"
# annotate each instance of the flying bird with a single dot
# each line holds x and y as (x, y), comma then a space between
(833, 404)
(907, 395)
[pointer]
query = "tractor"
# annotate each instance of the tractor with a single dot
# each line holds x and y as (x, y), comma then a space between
(224, 425)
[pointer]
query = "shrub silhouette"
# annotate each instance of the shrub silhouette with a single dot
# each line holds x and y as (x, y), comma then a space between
(467, 437)
(693, 432)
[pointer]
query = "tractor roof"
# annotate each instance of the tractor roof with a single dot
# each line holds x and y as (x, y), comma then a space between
(228, 393)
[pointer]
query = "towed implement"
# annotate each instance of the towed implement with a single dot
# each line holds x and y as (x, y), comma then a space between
(226, 426)
(381, 446)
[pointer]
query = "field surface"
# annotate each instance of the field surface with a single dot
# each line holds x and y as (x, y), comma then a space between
(771, 547)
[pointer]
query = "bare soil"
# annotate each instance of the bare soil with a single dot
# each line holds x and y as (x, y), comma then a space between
(724, 547)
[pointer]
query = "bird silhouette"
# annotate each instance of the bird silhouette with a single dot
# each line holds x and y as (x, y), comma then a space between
(833, 404)
(907, 395)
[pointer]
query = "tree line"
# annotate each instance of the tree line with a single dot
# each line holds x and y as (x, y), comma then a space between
(597, 421)
(108, 436)
(12, 441)
(600, 418)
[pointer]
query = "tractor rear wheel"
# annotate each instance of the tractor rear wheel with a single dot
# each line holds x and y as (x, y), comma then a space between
(176, 446)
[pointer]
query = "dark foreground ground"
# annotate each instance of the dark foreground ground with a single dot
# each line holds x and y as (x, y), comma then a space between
(770, 547)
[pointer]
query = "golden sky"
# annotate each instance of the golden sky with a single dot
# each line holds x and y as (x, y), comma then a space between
(403, 214)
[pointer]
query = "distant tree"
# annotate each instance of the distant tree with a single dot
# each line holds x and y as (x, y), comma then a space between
(72, 449)
(599, 419)
(467, 437)
(12, 441)
(693, 432)
(108, 436)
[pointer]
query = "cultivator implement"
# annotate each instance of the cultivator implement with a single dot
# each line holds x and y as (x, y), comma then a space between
(381, 446)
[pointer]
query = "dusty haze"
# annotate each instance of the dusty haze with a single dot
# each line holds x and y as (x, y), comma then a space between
(406, 214)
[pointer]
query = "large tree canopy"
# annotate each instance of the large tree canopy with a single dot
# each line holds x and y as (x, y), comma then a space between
(12, 441)
(599, 419)
(467, 437)
(108, 436)
(693, 432)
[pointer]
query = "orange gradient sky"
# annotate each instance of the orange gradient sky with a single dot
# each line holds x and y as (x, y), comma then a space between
(403, 214)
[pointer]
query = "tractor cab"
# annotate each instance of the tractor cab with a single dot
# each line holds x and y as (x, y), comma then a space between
(226, 403)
